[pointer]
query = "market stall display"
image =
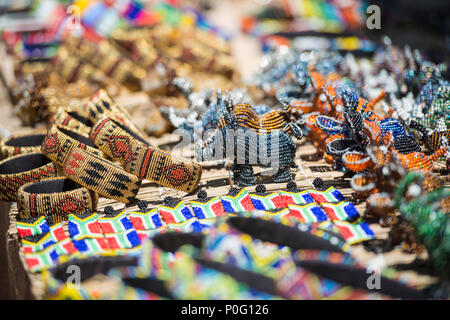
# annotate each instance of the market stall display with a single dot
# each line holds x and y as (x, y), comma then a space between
(162, 173)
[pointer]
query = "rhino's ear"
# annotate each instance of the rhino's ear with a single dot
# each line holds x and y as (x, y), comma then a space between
(218, 96)
(284, 104)
(226, 117)
(185, 85)
(228, 102)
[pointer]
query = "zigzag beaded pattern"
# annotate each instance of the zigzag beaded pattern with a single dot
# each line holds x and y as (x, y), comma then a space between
(144, 160)
(57, 205)
(10, 183)
(249, 118)
(101, 176)
(57, 145)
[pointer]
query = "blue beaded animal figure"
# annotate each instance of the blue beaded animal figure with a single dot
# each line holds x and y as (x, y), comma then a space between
(245, 149)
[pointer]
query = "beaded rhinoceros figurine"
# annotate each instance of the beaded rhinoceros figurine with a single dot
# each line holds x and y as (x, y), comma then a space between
(246, 148)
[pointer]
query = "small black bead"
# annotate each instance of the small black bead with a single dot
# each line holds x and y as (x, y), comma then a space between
(108, 210)
(202, 194)
(168, 200)
(291, 185)
(233, 191)
(142, 205)
(318, 183)
(49, 220)
(260, 188)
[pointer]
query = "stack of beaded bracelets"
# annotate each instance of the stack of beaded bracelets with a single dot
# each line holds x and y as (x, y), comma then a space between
(83, 163)
(141, 159)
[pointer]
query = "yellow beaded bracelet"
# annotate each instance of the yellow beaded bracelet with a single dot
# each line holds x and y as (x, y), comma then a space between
(100, 175)
(61, 140)
(143, 160)
(54, 198)
(20, 144)
(22, 169)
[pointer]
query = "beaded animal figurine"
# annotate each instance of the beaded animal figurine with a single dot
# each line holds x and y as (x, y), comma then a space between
(274, 150)
(203, 113)
(428, 214)
(381, 168)
(431, 140)
(360, 126)
(357, 161)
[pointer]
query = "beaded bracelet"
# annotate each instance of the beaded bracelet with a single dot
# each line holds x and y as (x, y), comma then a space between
(101, 104)
(22, 169)
(72, 120)
(143, 160)
(59, 142)
(100, 175)
(55, 198)
(22, 144)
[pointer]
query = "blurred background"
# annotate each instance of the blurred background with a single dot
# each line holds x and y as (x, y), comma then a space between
(250, 24)
(33, 31)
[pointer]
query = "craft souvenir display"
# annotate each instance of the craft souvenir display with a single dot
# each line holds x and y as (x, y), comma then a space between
(258, 214)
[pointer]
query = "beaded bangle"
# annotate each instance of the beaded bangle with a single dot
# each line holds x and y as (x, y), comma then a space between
(100, 175)
(55, 198)
(59, 142)
(22, 169)
(21, 145)
(72, 120)
(101, 104)
(143, 160)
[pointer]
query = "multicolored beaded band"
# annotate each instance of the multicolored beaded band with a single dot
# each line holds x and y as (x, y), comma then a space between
(55, 198)
(22, 169)
(72, 120)
(22, 144)
(141, 159)
(100, 175)
(60, 141)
